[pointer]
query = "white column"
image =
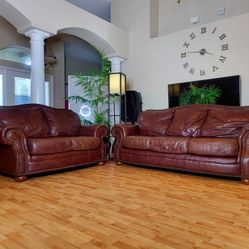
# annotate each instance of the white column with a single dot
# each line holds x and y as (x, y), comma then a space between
(37, 65)
(116, 64)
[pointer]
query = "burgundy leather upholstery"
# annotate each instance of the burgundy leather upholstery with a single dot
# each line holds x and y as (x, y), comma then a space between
(36, 138)
(154, 124)
(30, 120)
(58, 121)
(208, 139)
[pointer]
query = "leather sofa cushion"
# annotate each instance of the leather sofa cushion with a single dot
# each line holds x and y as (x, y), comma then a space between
(213, 146)
(62, 122)
(136, 142)
(52, 145)
(187, 122)
(157, 144)
(30, 120)
(224, 123)
(154, 123)
(183, 145)
(169, 144)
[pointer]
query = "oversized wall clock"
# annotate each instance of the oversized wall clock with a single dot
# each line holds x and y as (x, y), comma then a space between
(204, 51)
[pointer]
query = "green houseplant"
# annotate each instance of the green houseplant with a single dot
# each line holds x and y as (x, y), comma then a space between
(94, 92)
(207, 94)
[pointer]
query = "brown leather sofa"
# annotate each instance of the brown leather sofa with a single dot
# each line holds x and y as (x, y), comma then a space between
(209, 139)
(36, 138)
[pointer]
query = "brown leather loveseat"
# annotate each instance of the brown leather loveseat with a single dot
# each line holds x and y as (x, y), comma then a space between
(36, 138)
(209, 139)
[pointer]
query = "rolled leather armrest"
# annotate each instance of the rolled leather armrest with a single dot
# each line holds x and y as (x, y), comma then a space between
(9, 134)
(244, 152)
(241, 141)
(15, 141)
(94, 130)
(120, 131)
(123, 130)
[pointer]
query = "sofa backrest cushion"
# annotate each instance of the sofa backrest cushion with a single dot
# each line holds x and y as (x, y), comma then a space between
(30, 120)
(62, 122)
(187, 122)
(225, 122)
(154, 122)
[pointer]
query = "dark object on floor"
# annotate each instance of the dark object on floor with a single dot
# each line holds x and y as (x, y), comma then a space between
(133, 106)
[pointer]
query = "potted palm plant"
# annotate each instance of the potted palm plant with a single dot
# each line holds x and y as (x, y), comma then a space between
(207, 94)
(94, 92)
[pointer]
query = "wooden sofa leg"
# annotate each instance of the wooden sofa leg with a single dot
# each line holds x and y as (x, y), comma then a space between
(245, 181)
(21, 178)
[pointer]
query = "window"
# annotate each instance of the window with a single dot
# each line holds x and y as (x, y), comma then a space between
(22, 91)
(16, 54)
(15, 87)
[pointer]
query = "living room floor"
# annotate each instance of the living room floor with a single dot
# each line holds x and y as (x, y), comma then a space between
(123, 207)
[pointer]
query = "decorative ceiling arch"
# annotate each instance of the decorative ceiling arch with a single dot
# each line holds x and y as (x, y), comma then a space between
(29, 14)
(91, 38)
(13, 15)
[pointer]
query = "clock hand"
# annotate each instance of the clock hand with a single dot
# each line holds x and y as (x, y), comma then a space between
(193, 52)
(208, 53)
(201, 52)
(204, 51)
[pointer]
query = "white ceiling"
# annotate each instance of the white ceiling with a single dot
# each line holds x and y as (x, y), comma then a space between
(100, 8)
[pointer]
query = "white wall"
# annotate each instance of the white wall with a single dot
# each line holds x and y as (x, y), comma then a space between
(175, 16)
(155, 63)
(9, 36)
(100, 8)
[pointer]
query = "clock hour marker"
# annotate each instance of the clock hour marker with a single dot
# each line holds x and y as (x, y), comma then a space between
(192, 36)
(185, 65)
(185, 44)
(223, 36)
(183, 55)
(203, 30)
(192, 70)
(202, 73)
(215, 28)
(215, 68)
(222, 58)
(224, 47)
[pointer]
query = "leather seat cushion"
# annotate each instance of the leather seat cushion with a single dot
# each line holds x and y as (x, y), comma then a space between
(157, 144)
(184, 145)
(213, 146)
(136, 142)
(52, 145)
(169, 144)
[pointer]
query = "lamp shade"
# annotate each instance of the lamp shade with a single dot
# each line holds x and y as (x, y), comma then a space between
(117, 83)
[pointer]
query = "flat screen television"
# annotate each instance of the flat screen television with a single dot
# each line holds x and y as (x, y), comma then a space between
(230, 88)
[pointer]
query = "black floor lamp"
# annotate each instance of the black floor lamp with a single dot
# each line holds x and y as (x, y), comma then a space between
(117, 103)
(116, 92)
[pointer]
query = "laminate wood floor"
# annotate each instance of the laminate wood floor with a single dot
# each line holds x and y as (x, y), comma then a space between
(123, 207)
